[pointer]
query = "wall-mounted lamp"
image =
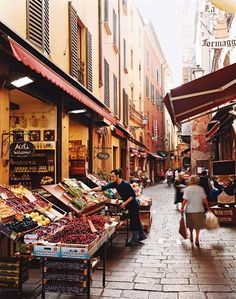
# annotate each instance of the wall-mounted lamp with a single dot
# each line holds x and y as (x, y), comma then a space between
(145, 120)
(197, 72)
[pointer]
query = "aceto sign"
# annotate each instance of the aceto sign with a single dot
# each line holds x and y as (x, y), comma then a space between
(103, 156)
(22, 149)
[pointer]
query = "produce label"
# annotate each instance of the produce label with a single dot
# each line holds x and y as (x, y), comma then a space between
(52, 251)
(73, 252)
(8, 232)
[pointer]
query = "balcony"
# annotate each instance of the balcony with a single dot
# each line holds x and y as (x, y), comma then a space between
(80, 71)
(135, 115)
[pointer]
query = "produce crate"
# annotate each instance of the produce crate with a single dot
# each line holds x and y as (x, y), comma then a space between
(225, 215)
(146, 219)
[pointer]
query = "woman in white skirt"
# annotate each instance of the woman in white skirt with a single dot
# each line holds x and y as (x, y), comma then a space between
(195, 200)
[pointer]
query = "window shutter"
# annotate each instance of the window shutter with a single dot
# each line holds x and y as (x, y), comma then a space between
(114, 28)
(106, 84)
(125, 107)
(73, 41)
(46, 27)
(38, 23)
(124, 46)
(89, 62)
(106, 11)
(115, 94)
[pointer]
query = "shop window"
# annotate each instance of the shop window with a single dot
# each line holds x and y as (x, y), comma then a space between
(115, 95)
(89, 62)
(38, 23)
(106, 84)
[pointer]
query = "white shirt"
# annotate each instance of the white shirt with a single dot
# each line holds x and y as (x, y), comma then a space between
(194, 195)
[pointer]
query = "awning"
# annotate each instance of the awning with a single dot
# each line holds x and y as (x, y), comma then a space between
(39, 67)
(156, 156)
(202, 94)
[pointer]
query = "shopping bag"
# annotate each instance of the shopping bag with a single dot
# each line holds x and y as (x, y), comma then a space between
(212, 221)
(182, 227)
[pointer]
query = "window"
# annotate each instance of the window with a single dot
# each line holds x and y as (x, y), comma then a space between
(73, 41)
(115, 95)
(89, 62)
(139, 69)
(114, 28)
(147, 87)
(106, 11)
(152, 93)
(106, 84)
(157, 75)
(125, 108)
(131, 59)
(132, 95)
(124, 49)
(38, 23)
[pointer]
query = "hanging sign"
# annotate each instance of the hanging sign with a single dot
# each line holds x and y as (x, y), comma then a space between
(220, 43)
(103, 156)
(22, 149)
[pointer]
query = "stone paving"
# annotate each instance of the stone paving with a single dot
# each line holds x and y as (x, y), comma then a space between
(166, 266)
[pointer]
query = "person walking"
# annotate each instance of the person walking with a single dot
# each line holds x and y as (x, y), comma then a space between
(179, 185)
(194, 199)
(204, 182)
(128, 196)
(169, 177)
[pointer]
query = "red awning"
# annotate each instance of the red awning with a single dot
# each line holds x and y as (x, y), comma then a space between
(39, 67)
(202, 94)
(156, 156)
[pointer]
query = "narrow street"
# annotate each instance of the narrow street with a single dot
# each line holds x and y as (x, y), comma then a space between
(168, 266)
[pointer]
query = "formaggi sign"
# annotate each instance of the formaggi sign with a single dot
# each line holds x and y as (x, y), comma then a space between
(219, 43)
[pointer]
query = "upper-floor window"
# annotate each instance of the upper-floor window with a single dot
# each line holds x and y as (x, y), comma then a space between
(147, 59)
(125, 60)
(115, 94)
(114, 27)
(106, 11)
(147, 86)
(157, 75)
(106, 83)
(131, 59)
(132, 95)
(38, 23)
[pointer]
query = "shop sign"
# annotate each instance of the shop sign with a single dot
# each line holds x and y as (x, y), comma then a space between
(219, 43)
(22, 149)
(103, 156)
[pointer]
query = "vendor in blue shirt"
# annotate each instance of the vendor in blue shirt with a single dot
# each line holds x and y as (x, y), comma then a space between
(127, 194)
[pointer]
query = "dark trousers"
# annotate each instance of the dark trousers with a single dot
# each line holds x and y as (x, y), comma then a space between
(135, 223)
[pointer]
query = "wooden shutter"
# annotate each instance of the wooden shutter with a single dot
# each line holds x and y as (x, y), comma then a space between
(73, 41)
(115, 94)
(38, 23)
(89, 62)
(106, 11)
(125, 107)
(106, 84)
(114, 28)
(46, 27)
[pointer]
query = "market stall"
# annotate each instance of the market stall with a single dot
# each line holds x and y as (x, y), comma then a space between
(35, 227)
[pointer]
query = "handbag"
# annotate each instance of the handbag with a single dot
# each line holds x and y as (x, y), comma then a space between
(182, 227)
(212, 221)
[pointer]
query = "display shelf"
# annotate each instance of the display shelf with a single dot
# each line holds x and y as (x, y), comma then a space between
(30, 170)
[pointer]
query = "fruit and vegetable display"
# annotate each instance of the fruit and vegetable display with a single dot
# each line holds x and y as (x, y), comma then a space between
(20, 205)
(18, 190)
(6, 211)
(145, 200)
(40, 219)
(23, 225)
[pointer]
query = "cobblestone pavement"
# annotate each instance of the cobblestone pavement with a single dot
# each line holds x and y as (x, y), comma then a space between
(166, 266)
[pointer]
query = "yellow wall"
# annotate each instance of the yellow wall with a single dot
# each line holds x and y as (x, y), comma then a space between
(78, 131)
